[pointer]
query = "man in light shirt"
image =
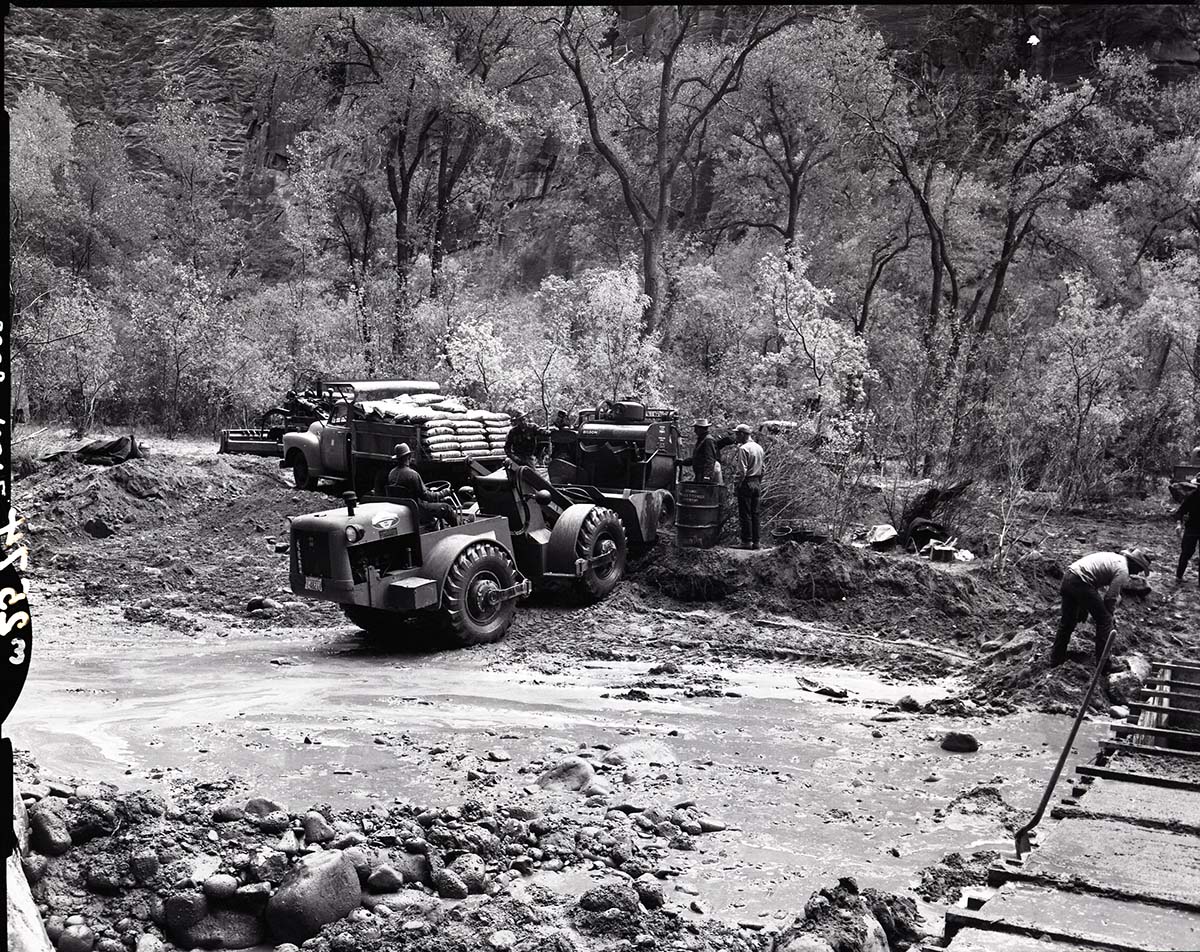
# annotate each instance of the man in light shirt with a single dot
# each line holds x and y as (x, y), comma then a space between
(748, 473)
(1082, 585)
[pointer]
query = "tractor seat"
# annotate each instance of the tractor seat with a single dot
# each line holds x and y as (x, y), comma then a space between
(494, 493)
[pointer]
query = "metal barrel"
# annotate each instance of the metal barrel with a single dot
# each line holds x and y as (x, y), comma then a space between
(698, 515)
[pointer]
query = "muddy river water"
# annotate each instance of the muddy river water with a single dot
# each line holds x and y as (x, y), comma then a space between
(808, 790)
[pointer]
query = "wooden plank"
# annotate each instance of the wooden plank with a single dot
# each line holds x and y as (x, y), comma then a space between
(1099, 921)
(1121, 860)
(982, 940)
(1176, 665)
(1158, 807)
(1117, 745)
(1191, 695)
(1150, 779)
(1156, 731)
(1160, 709)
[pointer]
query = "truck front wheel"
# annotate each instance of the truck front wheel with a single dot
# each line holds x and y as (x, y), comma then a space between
(300, 473)
(475, 614)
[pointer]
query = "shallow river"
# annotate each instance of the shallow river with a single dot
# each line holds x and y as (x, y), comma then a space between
(809, 794)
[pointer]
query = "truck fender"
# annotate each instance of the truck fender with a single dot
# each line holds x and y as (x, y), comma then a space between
(560, 553)
(308, 444)
(437, 564)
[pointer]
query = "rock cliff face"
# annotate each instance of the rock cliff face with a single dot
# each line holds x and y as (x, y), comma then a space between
(115, 63)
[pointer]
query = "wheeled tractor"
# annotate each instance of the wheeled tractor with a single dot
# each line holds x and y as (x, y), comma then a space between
(384, 559)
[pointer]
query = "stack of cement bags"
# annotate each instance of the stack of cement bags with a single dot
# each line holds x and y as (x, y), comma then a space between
(449, 431)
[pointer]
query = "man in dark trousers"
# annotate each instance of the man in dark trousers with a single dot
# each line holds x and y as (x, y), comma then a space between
(1187, 527)
(524, 439)
(1082, 585)
(406, 482)
(748, 473)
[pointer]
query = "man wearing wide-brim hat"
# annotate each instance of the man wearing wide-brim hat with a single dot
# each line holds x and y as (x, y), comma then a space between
(406, 483)
(1082, 585)
(706, 457)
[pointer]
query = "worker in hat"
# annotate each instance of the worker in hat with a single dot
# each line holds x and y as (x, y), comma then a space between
(706, 455)
(524, 440)
(406, 483)
(748, 474)
(1082, 585)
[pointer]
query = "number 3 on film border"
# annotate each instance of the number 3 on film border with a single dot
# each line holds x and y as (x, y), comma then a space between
(16, 628)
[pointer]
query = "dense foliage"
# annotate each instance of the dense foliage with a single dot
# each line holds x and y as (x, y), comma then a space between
(748, 212)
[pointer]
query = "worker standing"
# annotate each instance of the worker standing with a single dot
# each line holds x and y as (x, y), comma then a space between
(406, 483)
(705, 458)
(748, 473)
(1081, 589)
(1187, 527)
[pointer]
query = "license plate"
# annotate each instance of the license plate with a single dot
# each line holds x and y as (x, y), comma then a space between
(312, 584)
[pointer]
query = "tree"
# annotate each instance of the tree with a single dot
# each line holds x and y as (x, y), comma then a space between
(420, 89)
(647, 109)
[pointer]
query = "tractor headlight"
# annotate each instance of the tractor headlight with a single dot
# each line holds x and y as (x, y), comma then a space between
(353, 534)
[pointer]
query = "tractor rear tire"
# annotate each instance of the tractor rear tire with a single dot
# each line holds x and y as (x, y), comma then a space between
(470, 620)
(300, 473)
(377, 623)
(600, 526)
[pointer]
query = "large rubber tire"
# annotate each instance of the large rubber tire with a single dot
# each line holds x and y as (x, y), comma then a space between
(478, 567)
(300, 473)
(601, 525)
(377, 623)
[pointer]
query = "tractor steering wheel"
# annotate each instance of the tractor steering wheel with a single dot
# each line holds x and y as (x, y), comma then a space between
(440, 486)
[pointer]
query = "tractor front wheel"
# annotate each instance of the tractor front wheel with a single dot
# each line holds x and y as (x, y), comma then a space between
(600, 534)
(475, 614)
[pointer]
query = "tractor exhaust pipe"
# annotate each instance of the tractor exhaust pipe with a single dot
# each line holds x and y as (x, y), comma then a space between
(351, 502)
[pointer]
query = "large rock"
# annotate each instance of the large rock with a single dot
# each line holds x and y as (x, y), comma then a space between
(574, 773)
(449, 885)
(317, 828)
(322, 888)
(472, 870)
(25, 930)
(261, 806)
(620, 896)
(409, 903)
(413, 867)
(960, 742)
(221, 929)
(48, 828)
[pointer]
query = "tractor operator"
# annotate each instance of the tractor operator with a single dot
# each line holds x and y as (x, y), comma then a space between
(524, 440)
(748, 474)
(406, 482)
(1081, 586)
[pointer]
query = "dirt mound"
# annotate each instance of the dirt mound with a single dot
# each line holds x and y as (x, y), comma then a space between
(831, 582)
(945, 880)
(65, 495)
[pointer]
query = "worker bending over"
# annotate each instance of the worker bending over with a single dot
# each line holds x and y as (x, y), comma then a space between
(1082, 584)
